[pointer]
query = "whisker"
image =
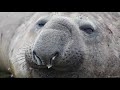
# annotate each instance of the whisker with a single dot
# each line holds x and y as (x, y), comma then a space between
(19, 60)
(25, 47)
(22, 63)
(22, 51)
(19, 56)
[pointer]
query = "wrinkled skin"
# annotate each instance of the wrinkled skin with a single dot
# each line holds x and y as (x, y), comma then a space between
(65, 45)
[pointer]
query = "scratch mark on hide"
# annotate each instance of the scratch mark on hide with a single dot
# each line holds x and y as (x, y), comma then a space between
(110, 31)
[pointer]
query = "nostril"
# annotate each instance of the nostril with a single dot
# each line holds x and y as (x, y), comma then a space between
(37, 59)
(34, 53)
(54, 56)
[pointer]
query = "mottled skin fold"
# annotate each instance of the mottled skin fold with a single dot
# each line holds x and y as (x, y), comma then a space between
(60, 44)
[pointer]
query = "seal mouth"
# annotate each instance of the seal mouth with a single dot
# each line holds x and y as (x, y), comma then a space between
(56, 62)
(37, 63)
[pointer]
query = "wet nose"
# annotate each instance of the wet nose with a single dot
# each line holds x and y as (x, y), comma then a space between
(39, 61)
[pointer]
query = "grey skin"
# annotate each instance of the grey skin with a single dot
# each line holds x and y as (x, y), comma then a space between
(61, 45)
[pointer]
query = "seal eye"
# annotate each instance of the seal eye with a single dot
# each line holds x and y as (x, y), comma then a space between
(41, 23)
(87, 28)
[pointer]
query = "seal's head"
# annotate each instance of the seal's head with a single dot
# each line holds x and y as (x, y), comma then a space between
(57, 45)
(65, 45)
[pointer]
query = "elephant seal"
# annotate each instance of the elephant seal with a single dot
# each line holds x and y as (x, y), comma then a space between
(63, 45)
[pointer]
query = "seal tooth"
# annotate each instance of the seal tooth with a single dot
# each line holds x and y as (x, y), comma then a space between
(49, 66)
(53, 58)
